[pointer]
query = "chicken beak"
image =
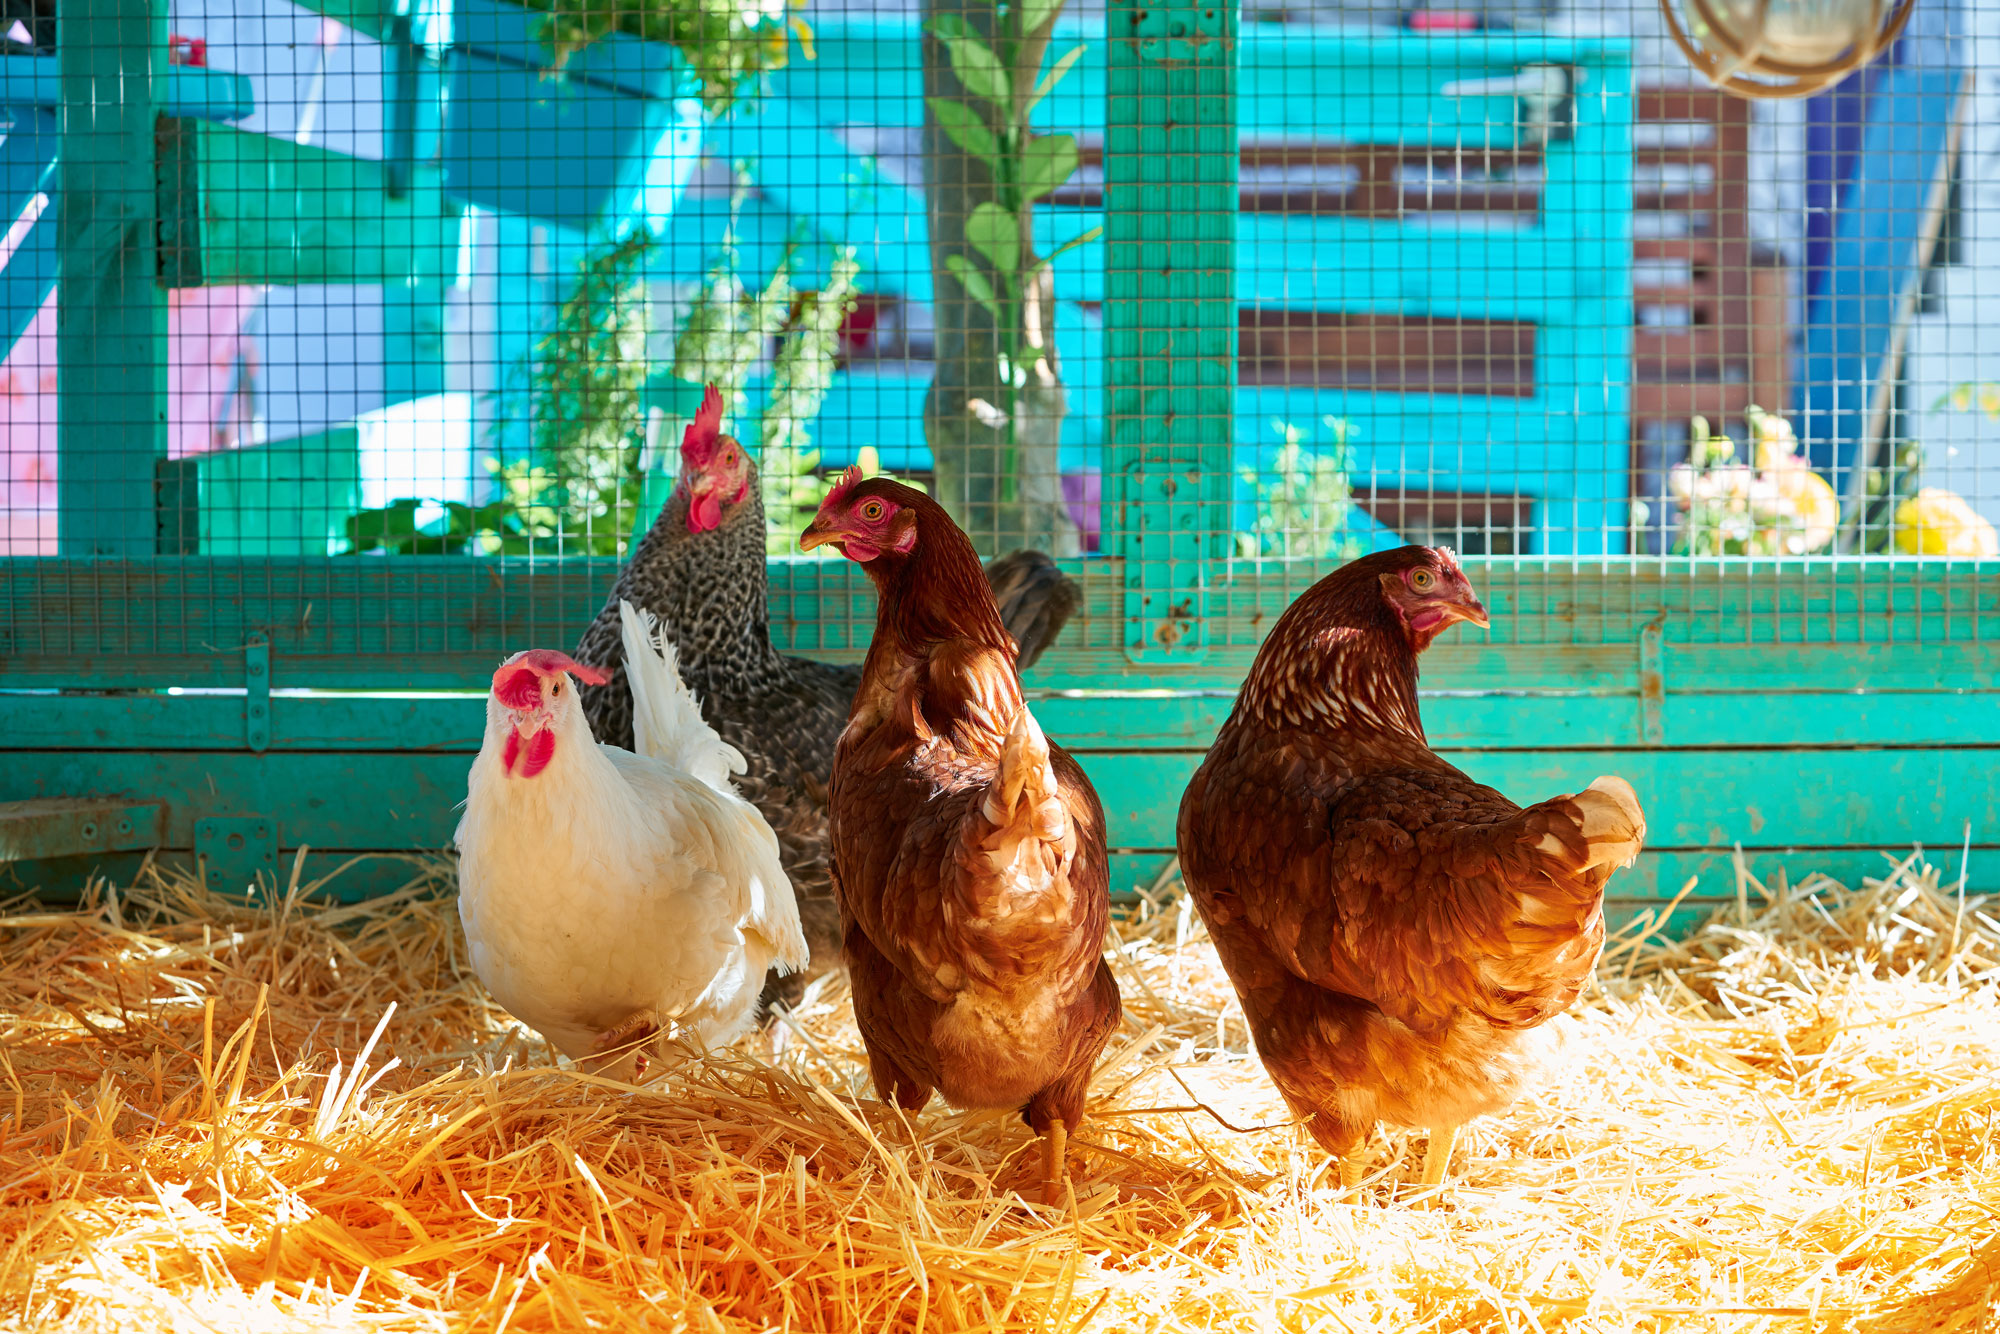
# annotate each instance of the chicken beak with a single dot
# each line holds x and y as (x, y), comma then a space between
(816, 536)
(1473, 610)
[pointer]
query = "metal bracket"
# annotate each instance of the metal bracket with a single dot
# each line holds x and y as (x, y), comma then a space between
(1544, 100)
(77, 827)
(1652, 682)
(257, 692)
(1180, 30)
(235, 852)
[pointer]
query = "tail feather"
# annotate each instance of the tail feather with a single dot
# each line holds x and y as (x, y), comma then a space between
(666, 717)
(1036, 600)
(1611, 821)
(1025, 776)
(1589, 834)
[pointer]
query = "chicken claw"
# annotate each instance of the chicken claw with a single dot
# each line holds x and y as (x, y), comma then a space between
(635, 1032)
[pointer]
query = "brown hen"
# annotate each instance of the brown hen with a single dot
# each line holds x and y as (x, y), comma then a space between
(968, 853)
(1394, 929)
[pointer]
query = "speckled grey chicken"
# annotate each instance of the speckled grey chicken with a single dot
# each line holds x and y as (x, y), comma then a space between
(700, 572)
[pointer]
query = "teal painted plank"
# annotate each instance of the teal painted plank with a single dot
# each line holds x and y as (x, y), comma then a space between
(286, 498)
(1454, 723)
(355, 877)
(383, 801)
(1389, 81)
(1170, 314)
(443, 623)
(273, 211)
(1693, 799)
(111, 313)
(205, 94)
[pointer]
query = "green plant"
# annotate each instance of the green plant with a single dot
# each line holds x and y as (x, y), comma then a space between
(996, 50)
(725, 42)
(1981, 394)
(1306, 508)
(586, 395)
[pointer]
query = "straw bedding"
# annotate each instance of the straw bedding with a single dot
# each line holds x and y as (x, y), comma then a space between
(309, 1117)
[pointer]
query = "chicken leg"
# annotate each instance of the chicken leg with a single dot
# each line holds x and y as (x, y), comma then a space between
(1437, 1156)
(1055, 1169)
(1353, 1166)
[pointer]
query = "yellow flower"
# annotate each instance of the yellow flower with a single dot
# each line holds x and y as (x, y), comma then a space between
(1812, 500)
(1935, 522)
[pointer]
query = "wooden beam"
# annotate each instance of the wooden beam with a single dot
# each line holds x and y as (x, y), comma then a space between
(251, 209)
(1170, 310)
(111, 318)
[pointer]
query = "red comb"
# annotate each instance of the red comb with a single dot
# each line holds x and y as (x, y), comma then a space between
(848, 481)
(698, 441)
(518, 682)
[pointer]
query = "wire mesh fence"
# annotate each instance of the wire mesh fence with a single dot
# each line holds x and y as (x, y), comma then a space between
(424, 283)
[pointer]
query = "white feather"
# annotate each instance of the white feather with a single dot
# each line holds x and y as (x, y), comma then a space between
(666, 717)
(613, 884)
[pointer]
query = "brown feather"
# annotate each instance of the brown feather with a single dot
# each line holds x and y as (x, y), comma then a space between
(969, 852)
(1393, 928)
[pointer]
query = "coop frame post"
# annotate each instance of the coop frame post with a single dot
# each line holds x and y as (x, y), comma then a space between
(111, 310)
(1170, 322)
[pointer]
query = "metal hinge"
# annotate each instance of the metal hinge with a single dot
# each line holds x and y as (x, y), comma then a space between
(78, 826)
(1652, 682)
(236, 852)
(257, 692)
(1179, 30)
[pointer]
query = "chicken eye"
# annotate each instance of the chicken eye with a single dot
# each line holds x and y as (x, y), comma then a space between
(1422, 580)
(556, 688)
(872, 511)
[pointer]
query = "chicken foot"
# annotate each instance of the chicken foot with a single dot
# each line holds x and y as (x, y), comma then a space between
(627, 1037)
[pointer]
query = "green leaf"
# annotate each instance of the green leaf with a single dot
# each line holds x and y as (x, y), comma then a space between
(1034, 13)
(974, 282)
(1046, 162)
(994, 233)
(1052, 78)
(972, 60)
(1083, 238)
(963, 127)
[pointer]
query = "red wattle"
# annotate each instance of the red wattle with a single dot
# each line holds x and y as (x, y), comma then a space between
(540, 751)
(704, 514)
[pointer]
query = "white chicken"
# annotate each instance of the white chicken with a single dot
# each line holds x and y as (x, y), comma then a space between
(609, 898)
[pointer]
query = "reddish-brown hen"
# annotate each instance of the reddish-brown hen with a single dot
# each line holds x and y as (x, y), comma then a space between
(1393, 928)
(968, 853)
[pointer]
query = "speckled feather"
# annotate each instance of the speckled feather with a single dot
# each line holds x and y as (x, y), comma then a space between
(975, 942)
(1395, 930)
(710, 593)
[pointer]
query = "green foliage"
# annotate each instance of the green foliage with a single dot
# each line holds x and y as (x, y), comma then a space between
(1306, 508)
(723, 338)
(991, 125)
(725, 42)
(1981, 394)
(800, 378)
(586, 390)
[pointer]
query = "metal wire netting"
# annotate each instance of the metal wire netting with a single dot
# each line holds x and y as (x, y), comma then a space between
(412, 284)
